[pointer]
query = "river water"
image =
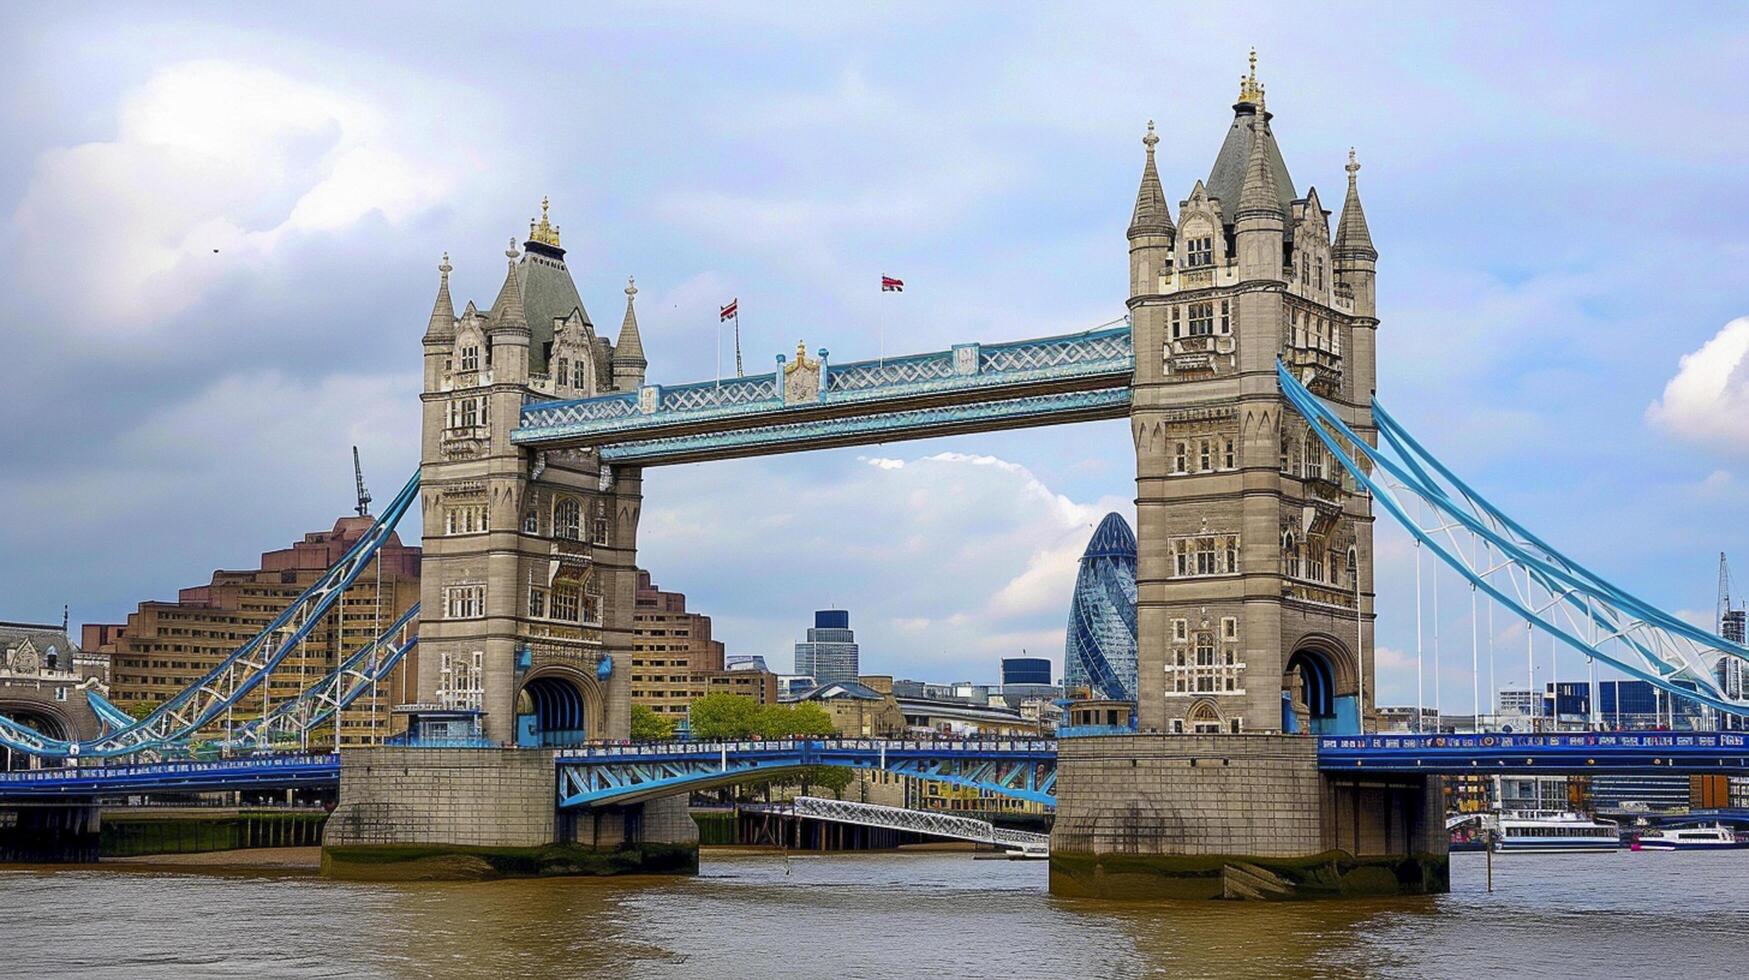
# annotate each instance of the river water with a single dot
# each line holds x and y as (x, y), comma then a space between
(1626, 915)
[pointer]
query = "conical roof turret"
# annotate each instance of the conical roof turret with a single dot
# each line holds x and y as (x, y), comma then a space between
(1352, 237)
(1258, 195)
(507, 312)
(1151, 217)
(442, 325)
(629, 350)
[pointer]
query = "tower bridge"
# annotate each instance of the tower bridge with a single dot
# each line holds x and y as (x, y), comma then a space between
(1245, 368)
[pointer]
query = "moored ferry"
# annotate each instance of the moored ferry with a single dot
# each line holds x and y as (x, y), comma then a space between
(1550, 832)
(1716, 837)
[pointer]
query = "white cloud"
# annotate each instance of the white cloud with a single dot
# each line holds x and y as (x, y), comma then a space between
(951, 559)
(213, 163)
(1708, 399)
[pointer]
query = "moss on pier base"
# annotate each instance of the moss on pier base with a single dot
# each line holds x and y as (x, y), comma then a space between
(455, 862)
(1333, 874)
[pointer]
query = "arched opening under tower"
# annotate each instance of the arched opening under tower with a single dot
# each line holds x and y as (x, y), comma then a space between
(38, 718)
(1311, 698)
(554, 708)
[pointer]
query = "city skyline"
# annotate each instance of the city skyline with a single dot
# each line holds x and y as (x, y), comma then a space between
(1499, 250)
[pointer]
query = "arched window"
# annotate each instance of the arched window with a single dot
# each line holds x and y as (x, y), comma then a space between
(1290, 550)
(1230, 458)
(563, 375)
(568, 519)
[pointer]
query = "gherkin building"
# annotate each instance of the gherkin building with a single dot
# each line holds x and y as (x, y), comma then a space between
(1100, 652)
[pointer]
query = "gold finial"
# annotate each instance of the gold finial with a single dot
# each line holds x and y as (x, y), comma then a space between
(511, 253)
(631, 287)
(1353, 167)
(1150, 140)
(445, 268)
(545, 231)
(801, 351)
(1249, 90)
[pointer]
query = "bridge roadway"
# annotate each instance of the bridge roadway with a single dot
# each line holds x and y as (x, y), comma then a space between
(1025, 768)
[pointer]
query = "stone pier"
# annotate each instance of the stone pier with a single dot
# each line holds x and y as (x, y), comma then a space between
(414, 814)
(1237, 816)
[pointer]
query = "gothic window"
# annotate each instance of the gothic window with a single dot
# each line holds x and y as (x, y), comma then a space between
(1318, 280)
(1177, 326)
(1290, 550)
(1204, 459)
(579, 378)
(537, 602)
(1315, 563)
(1180, 460)
(1226, 316)
(568, 519)
(464, 413)
(563, 374)
(464, 601)
(1202, 319)
(1286, 449)
(466, 519)
(565, 603)
(1314, 459)
(470, 357)
(1178, 629)
(1201, 252)
(531, 522)
(1229, 456)
(1230, 553)
(1205, 554)
(599, 531)
(1229, 628)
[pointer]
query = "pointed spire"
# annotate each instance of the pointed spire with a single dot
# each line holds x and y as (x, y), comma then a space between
(1151, 217)
(507, 311)
(1249, 90)
(442, 326)
(1257, 195)
(1352, 236)
(630, 349)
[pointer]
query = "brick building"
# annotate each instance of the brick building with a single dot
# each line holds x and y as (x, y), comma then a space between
(675, 661)
(166, 646)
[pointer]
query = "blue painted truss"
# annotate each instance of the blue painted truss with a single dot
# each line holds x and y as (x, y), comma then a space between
(616, 774)
(968, 387)
(1503, 560)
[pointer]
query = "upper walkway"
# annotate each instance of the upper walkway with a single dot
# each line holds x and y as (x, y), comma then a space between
(810, 403)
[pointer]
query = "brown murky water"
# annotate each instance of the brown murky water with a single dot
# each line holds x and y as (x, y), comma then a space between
(879, 915)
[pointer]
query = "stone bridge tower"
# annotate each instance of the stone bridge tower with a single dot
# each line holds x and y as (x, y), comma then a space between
(1255, 550)
(527, 592)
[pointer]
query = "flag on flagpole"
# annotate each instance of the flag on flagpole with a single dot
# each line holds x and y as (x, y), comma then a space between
(891, 285)
(729, 312)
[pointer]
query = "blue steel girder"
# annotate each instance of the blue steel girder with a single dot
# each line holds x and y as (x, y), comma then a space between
(1576, 753)
(1467, 533)
(264, 772)
(969, 387)
(595, 776)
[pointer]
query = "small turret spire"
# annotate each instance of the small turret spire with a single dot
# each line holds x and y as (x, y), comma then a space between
(1258, 192)
(1352, 236)
(1152, 216)
(628, 363)
(507, 311)
(442, 325)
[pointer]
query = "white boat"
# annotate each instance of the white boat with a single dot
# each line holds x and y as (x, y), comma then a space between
(1549, 832)
(1717, 837)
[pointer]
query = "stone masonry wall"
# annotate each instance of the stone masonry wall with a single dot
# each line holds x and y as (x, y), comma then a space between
(1189, 795)
(472, 797)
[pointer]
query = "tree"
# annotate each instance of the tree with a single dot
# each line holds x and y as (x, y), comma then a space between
(649, 725)
(138, 710)
(725, 717)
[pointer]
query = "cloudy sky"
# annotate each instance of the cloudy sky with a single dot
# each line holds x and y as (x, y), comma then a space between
(220, 229)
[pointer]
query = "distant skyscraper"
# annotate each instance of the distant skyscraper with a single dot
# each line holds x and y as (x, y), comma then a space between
(829, 654)
(1100, 652)
(1025, 670)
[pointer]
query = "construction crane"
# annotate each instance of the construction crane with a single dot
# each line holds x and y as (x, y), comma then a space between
(363, 507)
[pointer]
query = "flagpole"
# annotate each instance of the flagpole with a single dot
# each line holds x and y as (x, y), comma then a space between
(719, 352)
(738, 372)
